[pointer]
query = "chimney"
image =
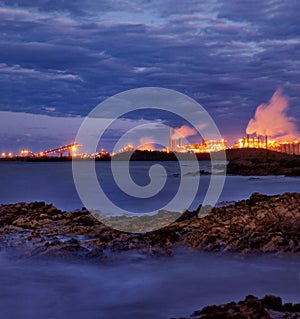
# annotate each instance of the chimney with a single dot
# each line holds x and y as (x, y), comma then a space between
(180, 139)
(266, 142)
(174, 139)
(171, 140)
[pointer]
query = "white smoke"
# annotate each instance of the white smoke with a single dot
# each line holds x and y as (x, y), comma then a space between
(271, 119)
(184, 131)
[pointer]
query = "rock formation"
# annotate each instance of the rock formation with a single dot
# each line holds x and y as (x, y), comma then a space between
(261, 224)
(269, 307)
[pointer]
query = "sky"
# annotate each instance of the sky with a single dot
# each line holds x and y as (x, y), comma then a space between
(59, 59)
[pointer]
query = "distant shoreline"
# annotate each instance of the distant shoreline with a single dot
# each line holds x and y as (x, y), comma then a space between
(246, 154)
(135, 156)
(241, 162)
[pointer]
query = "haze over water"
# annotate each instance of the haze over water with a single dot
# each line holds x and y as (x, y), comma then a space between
(132, 286)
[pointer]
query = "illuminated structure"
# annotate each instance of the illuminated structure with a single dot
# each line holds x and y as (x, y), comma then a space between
(6, 155)
(102, 154)
(127, 148)
(70, 149)
(207, 146)
(289, 147)
(25, 152)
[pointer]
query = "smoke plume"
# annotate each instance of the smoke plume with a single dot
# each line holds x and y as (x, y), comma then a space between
(271, 119)
(147, 143)
(184, 131)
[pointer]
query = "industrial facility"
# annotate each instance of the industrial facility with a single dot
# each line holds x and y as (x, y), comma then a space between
(289, 147)
(66, 150)
(206, 146)
(175, 145)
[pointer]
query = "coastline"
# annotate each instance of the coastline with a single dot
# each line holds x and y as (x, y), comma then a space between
(259, 226)
(242, 162)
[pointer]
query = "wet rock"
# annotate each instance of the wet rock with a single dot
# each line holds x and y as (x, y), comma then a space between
(261, 224)
(269, 307)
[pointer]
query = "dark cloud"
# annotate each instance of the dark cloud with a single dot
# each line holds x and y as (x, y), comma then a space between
(273, 18)
(73, 8)
(70, 55)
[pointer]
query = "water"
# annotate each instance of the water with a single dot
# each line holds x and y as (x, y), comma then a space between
(137, 287)
(133, 286)
(53, 183)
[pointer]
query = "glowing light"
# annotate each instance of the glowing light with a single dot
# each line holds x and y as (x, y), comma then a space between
(25, 152)
(146, 147)
(127, 148)
(289, 147)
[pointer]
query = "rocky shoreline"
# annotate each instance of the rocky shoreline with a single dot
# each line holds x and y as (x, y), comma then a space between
(259, 225)
(268, 307)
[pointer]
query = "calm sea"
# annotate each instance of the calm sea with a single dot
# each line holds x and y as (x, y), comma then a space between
(53, 183)
(133, 286)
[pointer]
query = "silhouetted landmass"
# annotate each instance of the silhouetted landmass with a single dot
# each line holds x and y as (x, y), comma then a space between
(261, 162)
(240, 161)
(160, 156)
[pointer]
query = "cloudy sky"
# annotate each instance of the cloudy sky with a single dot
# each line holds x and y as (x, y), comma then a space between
(59, 59)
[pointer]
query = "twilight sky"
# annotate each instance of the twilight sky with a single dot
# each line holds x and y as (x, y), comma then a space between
(59, 59)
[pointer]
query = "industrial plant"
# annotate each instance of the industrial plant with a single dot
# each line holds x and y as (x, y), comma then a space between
(175, 145)
(61, 151)
(206, 146)
(288, 147)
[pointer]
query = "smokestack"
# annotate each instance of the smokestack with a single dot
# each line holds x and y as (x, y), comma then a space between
(180, 138)
(174, 139)
(266, 142)
(248, 140)
(171, 140)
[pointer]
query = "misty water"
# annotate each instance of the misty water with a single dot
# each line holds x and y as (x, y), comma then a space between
(136, 287)
(131, 285)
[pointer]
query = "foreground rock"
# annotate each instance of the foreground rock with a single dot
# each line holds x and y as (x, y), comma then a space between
(269, 307)
(261, 224)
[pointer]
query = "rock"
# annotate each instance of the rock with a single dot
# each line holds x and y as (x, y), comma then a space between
(269, 307)
(261, 224)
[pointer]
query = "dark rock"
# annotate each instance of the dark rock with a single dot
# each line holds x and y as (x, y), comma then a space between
(269, 307)
(261, 224)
